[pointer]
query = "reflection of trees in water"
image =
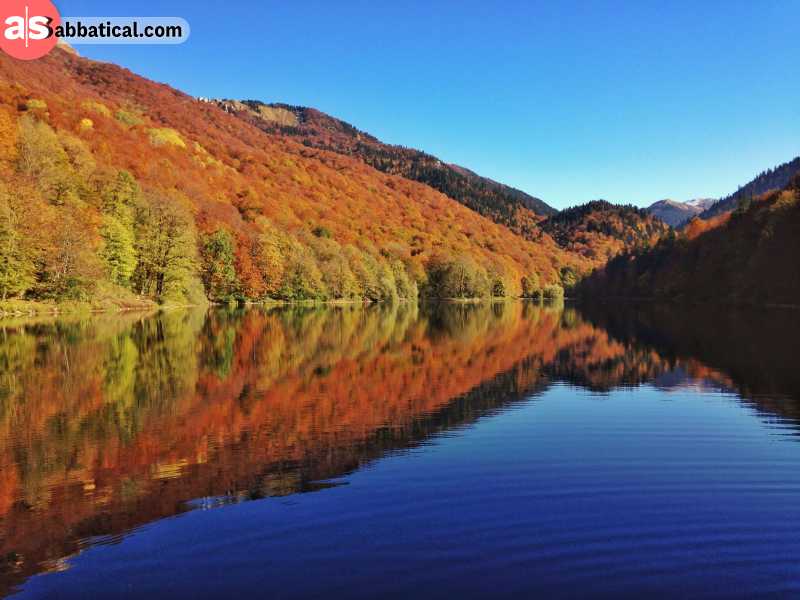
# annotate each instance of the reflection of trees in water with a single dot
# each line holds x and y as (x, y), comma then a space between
(108, 423)
(752, 350)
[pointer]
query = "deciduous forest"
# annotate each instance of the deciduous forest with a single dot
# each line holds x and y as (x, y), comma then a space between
(112, 186)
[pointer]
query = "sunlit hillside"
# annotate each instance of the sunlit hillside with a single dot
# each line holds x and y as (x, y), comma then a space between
(112, 181)
(502, 204)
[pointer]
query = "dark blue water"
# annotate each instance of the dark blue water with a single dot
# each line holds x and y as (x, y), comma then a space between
(596, 465)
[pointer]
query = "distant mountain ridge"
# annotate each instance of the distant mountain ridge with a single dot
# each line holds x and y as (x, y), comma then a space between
(503, 204)
(771, 179)
(600, 230)
(676, 213)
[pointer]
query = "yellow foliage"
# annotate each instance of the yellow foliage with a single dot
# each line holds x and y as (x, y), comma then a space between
(96, 107)
(36, 104)
(8, 137)
(160, 136)
(127, 117)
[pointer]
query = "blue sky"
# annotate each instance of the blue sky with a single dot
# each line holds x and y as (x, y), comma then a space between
(569, 101)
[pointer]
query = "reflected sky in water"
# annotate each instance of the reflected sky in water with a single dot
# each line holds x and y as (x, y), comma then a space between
(401, 450)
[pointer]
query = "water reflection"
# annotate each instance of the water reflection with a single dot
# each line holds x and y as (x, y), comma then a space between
(113, 422)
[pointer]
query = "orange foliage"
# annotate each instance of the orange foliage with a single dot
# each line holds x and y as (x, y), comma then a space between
(231, 172)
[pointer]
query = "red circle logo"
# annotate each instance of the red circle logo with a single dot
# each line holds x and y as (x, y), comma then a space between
(27, 28)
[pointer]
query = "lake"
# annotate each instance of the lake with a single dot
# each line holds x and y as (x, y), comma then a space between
(504, 449)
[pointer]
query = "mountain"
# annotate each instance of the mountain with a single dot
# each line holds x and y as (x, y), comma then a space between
(599, 230)
(505, 205)
(771, 179)
(747, 256)
(701, 203)
(111, 184)
(675, 213)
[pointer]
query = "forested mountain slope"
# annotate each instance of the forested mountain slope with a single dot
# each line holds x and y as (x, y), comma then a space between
(108, 179)
(500, 203)
(599, 230)
(771, 179)
(749, 256)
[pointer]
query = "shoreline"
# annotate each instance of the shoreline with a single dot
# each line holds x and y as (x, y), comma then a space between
(14, 309)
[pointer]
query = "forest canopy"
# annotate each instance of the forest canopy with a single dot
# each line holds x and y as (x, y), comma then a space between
(114, 185)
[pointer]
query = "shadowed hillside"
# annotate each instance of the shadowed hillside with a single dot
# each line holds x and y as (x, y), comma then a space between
(771, 179)
(748, 256)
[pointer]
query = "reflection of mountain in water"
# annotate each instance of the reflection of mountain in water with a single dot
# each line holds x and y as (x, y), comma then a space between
(752, 352)
(679, 379)
(108, 424)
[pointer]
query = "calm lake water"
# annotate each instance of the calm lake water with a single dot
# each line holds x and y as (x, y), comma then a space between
(503, 450)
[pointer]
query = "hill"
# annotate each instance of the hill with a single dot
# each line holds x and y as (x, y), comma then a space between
(771, 179)
(598, 230)
(747, 256)
(508, 206)
(675, 213)
(110, 182)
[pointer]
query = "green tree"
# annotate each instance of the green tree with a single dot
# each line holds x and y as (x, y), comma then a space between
(119, 250)
(119, 199)
(406, 287)
(16, 267)
(165, 251)
(218, 253)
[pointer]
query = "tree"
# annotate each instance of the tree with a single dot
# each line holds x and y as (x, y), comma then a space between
(118, 201)
(553, 292)
(218, 254)
(42, 158)
(460, 277)
(569, 278)
(339, 278)
(302, 278)
(406, 287)
(118, 251)
(16, 267)
(70, 266)
(165, 250)
(530, 286)
(364, 267)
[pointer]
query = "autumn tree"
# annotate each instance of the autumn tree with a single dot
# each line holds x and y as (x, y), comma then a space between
(41, 157)
(459, 277)
(70, 266)
(302, 278)
(530, 286)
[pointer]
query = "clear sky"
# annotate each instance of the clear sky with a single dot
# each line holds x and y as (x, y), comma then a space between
(570, 101)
